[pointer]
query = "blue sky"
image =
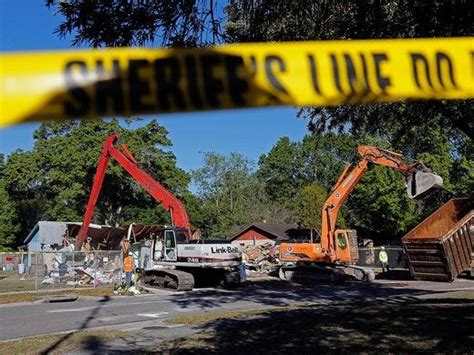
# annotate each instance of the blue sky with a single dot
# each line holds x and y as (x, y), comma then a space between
(29, 25)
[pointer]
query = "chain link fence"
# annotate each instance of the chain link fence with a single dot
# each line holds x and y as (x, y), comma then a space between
(369, 257)
(35, 271)
(59, 270)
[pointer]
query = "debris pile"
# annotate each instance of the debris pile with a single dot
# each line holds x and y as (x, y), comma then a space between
(261, 259)
(125, 290)
(81, 269)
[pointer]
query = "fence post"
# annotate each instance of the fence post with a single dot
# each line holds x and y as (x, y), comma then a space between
(95, 269)
(121, 267)
(36, 271)
(74, 268)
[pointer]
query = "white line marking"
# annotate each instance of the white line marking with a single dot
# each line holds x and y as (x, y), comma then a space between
(152, 315)
(71, 310)
(103, 306)
(188, 309)
(108, 319)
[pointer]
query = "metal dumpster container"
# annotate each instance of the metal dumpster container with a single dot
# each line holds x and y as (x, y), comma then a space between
(441, 246)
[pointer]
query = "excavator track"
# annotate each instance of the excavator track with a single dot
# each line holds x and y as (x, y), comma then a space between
(357, 273)
(310, 274)
(169, 279)
(320, 273)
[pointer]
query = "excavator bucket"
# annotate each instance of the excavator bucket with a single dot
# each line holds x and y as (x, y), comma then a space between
(422, 181)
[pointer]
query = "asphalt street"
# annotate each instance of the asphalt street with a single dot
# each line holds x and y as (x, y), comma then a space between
(149, 311)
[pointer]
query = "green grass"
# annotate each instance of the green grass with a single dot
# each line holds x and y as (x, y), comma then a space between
(213, 316)
(11, 282)
(35, 296)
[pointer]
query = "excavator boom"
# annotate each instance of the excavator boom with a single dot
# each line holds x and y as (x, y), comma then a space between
(125, 158)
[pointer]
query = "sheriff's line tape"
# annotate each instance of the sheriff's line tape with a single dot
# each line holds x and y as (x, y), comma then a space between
(132, 81)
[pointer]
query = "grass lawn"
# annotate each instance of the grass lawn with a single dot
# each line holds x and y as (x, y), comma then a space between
(61, 343)
(35, 296)
(215, 316)
(435, 325)
(12, 282)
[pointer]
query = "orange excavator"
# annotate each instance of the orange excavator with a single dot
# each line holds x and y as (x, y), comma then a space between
(333, 258)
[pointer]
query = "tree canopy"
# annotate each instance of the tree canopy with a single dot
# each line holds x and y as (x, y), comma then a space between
(111, 23)
(231, 196)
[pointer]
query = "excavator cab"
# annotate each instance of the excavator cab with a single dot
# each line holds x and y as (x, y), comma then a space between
(164, 246)
(346, 245)
(422, 180)
(170, 245)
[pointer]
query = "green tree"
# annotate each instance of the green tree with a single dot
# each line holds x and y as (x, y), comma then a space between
(280, 171)
(230, 194)
(379, 207)
(8, 218)
(8, 225)
(309, 205)
(325, 155)
(110, 23)
(462, 174)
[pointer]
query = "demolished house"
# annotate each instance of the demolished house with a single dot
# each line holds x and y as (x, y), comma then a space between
(50, 236)
(260, 244)
(49, 251)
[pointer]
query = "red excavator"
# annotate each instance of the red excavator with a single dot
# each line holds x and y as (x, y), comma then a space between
(333, 257)
(173, 259)
(179, 217)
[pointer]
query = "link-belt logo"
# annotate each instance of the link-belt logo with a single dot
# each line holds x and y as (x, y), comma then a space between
(224, 250)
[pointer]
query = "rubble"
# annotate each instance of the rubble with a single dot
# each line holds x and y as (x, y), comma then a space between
(49, 281)
(82, 269)
(125, 290)
(261, 259)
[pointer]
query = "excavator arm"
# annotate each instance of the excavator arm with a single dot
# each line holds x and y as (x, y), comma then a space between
(418, 179)
(125, 158)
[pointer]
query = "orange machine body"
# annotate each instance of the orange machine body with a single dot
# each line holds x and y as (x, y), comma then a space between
(315, 252)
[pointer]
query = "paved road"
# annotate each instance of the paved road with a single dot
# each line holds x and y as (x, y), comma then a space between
(149, 311)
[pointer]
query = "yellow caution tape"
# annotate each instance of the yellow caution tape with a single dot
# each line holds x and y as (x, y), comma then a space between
(131, 81)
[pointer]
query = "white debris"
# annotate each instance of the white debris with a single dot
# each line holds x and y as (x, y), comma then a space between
(48, 280)
(134, 290)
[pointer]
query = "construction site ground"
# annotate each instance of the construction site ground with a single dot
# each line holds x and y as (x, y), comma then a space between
(263, 316)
